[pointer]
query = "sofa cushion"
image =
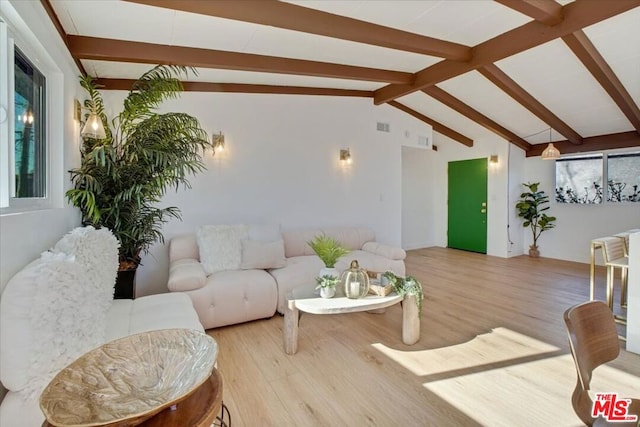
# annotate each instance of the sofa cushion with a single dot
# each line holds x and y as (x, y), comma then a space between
(220, 246)
(299, 271)
(391, 252)
(149, 313)
(186, 274)
(260, 255)
(231, 297)
(295, 241)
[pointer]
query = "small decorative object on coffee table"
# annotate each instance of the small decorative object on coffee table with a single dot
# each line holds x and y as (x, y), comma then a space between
(129, 380)
(356, 281)
(329, 251)
(327, 285)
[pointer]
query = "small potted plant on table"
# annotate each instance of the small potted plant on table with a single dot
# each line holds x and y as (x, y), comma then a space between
(329, 251)
(327, 285)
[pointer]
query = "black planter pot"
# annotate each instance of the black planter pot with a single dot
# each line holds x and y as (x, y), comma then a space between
(125, 287)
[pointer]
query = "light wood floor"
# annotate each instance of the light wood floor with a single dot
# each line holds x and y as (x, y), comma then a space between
(493, 352)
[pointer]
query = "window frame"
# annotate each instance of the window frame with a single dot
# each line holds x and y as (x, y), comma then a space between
(604, 157)
(15, 32)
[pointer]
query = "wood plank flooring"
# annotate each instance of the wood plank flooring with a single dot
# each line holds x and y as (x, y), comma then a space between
(493, 352)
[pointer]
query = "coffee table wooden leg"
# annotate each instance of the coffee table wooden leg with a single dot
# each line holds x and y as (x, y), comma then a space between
(410, 320)
(291, 328)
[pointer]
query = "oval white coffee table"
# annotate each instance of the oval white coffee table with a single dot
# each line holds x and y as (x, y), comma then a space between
(305, 299)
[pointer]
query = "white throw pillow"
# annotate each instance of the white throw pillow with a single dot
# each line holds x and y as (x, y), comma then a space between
(260, 255)
(65, 320)
(220, 246)
(97, 251)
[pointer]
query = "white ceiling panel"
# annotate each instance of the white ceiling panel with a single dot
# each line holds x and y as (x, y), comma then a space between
(461, 21)
(441, 113)
(618, 41)
(292, 44)
(122, 70)
(482, 95)
(564, 86)
(116, 19)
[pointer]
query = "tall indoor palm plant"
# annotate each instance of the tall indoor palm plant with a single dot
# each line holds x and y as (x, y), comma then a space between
(123, 177)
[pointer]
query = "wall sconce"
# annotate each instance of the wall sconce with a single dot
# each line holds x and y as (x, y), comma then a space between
(217, 141)
(93, 128)
(345, 156)
(493, 160)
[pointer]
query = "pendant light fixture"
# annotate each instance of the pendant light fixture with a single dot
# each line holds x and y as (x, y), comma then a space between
(551, 152)
(93, 128)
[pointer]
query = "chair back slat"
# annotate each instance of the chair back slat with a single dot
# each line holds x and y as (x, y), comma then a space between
(612, 248)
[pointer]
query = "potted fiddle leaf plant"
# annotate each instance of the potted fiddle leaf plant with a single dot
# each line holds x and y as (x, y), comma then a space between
(329, 251)
(531, 207)
(125, 171)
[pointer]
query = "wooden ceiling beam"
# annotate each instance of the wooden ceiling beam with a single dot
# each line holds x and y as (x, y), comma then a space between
(586, 52)
(474, 115)
(547, 12)
(298, 18)
(127, 84)
(524, 98)
(437, 126)
(148, 53)
(591, 143)
(577, 15)
(46, 4)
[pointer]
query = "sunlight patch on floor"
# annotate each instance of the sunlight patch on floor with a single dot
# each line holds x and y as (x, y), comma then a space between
(526, 394)
(499, 345)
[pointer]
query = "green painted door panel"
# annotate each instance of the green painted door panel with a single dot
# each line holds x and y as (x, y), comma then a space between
(467, 217)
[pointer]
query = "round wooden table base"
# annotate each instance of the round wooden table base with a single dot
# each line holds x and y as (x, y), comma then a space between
(198, 410)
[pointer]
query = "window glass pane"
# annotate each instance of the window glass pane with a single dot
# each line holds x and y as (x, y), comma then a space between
(30, 142)
(623, 177)
(579, 180)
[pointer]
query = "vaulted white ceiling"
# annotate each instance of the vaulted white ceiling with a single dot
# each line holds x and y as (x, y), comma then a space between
(550, 72)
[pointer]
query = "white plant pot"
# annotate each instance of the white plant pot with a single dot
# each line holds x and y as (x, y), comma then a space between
(327, 292)
(329, 272)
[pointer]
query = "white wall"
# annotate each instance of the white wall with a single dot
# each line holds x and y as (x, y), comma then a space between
(23, 236)
(418, 181)
(577, 225)
(281, 166)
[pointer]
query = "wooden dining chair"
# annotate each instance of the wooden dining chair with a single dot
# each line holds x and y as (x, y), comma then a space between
(614, 254)
(593, 338)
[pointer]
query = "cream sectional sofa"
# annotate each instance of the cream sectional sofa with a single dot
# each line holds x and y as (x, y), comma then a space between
(287, 261)
(60, 306)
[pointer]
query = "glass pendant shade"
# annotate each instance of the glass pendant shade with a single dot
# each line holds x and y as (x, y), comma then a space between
(551, 152)
(93, 128)
(355, 281)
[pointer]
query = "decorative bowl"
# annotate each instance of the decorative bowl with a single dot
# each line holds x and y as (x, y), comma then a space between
(127, 381)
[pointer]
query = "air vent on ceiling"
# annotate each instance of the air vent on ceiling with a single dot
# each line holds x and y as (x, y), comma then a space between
(383, 127)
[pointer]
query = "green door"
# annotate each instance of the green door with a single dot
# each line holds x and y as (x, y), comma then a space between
(467, 224)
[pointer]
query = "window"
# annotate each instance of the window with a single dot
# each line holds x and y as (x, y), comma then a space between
(623, 177)
(29, 142)
(580, 179)
(32, 119)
